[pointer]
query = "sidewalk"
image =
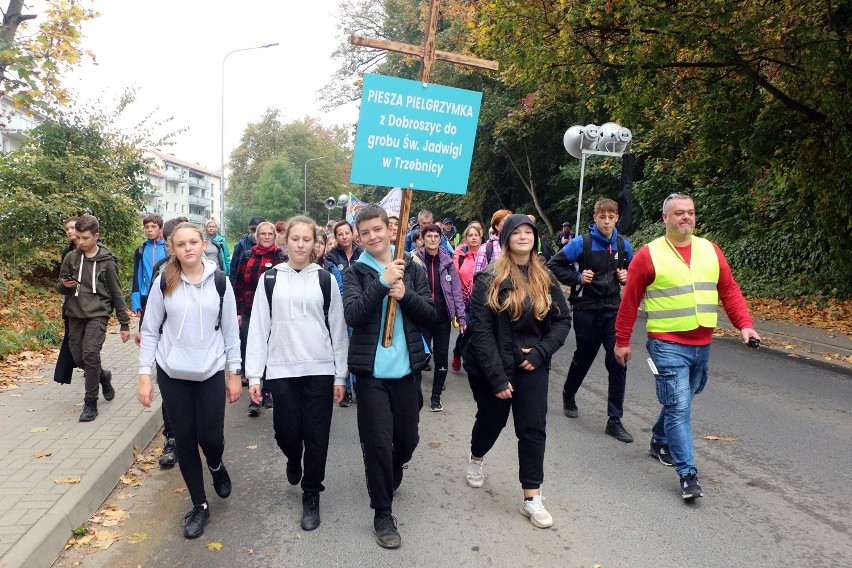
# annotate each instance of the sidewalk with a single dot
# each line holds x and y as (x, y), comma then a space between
(801, 341)
(37, 514)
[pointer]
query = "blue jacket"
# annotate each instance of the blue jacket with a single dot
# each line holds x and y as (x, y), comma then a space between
(224, 253)
(409, 244)
(144, 260)
(245, 243)
(604, 291)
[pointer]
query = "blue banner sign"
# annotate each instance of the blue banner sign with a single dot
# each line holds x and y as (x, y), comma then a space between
(415, 135)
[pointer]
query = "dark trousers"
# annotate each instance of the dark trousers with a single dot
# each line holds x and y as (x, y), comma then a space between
(86, 338)
(438, 338)
(302, 419)
(388, 417)
(197, 409)
(594, 328)
(529, 410)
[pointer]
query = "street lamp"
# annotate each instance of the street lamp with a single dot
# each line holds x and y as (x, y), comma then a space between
(222, 171)
(306, 180)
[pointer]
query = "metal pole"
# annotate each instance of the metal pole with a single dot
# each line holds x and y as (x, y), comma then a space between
(580, 199)
(306, 180)
(222, 155)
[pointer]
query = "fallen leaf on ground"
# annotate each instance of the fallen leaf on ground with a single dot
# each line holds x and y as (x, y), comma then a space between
(251, 447)
(112, 523)
(42, 454)
(722, 438)
(117, 515)
(137, 537)
(39, 429)
(67, 480)
(214, 546)
(793, 355)
(180, 490)
(85, 539)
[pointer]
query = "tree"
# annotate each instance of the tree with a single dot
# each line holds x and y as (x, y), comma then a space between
(76, 163)
(270, 140)
(276, 195)
(32, 64)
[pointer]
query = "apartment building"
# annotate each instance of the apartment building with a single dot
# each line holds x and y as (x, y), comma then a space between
(14, 124)
(180, 187)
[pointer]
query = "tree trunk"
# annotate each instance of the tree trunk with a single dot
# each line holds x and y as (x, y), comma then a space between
(530, 187)
(11, 20)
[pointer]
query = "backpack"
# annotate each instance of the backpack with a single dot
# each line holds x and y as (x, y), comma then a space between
(325, 285)
(462, 256)
(219, 278)
(489, 251)
(587, 251)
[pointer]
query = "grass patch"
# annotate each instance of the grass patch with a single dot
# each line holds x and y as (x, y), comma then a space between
(30, 315)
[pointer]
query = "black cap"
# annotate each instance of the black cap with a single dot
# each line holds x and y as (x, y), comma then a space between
(448, 221)
(511, 223)
(566, 224)
(255, 221)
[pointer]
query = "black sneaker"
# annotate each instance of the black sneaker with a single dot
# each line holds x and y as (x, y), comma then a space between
(267, 400)
(347, 400)
(616, 429)
(169, 456)
(661, 452)
(310, 511)
(221, 481)
(294, 472)
(90, 411)
(195, 521)
(386, 532)
(689, 488)
(435, 405)
(106, 385)
(254, 409)
(569, 406)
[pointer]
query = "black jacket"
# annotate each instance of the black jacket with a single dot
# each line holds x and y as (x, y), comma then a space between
(338, 257)
(495, 341)
(363, 294)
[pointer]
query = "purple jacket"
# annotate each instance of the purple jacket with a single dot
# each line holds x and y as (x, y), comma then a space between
(450, 283)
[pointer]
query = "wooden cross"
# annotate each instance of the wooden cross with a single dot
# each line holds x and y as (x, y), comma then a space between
(428, 55)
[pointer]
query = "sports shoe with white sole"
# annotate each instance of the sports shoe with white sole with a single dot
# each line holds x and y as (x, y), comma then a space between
(537, 514)
(474, 476)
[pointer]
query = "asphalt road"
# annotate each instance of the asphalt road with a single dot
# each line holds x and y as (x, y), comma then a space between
(778, 495)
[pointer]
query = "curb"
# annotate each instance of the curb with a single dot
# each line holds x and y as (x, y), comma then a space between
(41, 545)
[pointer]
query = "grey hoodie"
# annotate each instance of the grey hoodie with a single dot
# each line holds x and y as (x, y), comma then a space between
(295, 341)
(190, 348)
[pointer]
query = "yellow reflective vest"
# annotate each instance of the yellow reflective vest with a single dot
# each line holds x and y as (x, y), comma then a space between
(682, 296)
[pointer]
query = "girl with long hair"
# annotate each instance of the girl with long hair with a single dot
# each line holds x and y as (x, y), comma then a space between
(518, 320)
(298, 338)
(190, 349)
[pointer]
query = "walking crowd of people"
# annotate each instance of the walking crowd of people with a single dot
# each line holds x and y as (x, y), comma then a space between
(298, 315)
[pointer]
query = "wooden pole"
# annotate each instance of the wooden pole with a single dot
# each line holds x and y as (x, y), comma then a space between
(407, 194)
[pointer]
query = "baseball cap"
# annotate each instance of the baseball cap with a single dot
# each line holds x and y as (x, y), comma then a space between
(255, 221)
(566, 224)
(447, 221)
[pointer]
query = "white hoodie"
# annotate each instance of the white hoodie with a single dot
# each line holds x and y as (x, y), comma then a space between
(296, 343)
(190, 348)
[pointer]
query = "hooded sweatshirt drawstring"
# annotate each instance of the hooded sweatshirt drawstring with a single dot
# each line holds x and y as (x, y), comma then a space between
(186, 310)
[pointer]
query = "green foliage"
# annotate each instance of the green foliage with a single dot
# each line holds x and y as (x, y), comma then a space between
(77, 163)
(279, 151)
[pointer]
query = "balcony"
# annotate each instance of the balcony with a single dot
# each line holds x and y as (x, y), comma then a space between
(153, 191)
(174, 175)
(198, 182)
(154, 210)
(200, 201)
(196, 218)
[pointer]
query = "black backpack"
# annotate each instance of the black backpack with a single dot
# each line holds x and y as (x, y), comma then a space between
(219, 278)
(587, 251)
(325, 285)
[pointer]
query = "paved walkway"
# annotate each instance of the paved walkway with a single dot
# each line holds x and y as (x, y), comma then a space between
(37, 514)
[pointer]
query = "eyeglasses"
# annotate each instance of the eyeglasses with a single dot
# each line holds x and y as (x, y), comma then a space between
(674, 196)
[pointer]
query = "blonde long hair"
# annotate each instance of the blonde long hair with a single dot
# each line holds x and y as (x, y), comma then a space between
(535, 286)
(173, 267)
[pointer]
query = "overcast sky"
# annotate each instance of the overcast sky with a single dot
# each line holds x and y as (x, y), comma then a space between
(173, 50)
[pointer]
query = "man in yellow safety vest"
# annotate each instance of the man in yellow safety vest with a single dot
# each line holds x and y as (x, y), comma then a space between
(682, 278)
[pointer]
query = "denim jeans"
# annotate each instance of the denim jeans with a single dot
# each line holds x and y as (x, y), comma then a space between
(681, 374)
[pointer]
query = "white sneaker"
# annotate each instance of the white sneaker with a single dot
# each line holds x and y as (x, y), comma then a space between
(474, 476)
(536, 512)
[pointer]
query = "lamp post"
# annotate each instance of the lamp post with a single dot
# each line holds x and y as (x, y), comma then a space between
(222, 171)
(306, 180)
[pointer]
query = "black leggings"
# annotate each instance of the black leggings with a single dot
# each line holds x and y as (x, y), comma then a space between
(438, 338)
(197, 410)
